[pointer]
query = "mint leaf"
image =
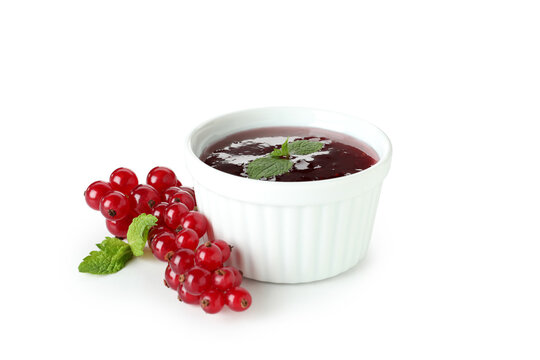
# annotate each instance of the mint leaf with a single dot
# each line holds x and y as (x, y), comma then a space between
(277, 153)
(305, 147)
(137, 234)
(267, 167)
(112, 257)
(285, 147)
(283, 152)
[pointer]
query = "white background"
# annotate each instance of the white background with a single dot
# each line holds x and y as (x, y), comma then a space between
(453, 271)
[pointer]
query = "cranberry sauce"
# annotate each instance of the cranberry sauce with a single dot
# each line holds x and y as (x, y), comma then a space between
(341, 154)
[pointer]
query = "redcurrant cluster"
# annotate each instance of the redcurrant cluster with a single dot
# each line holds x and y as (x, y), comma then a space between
(198, 275)
(123, 198)
(196, 272)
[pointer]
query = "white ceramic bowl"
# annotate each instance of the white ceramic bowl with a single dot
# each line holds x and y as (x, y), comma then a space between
(290, 232)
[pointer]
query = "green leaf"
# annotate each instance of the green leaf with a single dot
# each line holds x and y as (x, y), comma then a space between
(305, 147)
(277, 153)
(137, 234)
(283, 152)
(268, 167)
(285, 147)
(112, 257)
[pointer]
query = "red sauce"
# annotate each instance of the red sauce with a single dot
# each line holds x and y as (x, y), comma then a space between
(341, 155)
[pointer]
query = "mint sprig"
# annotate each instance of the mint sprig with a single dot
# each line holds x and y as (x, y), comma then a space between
(278, 161)
(137, 234)
(115, 253)
(112, 257)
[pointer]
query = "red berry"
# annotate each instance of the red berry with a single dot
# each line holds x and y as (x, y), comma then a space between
(186, 297)
(114, 206)
(223, 279)
(172, 279)
(183, 197)
(238, 276)
(224, 247)
(161, 178)
(182, 260)
(119, 228)
(190, 191)
(159, 212)
(166, 195)
(208, 256)
(187, 239)
(174, 214)
(156, 230)
(212, 301)
(196, 221)
(95, 192)
(162, 244)
(143, 199)
(197, 280)
(123, 180)
(238, 299)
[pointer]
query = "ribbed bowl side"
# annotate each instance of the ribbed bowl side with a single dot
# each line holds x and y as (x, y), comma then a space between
(292, 244)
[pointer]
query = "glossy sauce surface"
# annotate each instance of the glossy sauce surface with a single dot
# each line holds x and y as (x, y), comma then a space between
(341, 155)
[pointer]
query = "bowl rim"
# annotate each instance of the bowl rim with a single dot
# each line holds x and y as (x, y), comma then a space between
(383, 162)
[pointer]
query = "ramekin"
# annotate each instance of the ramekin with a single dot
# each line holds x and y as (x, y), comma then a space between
(290, 232)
